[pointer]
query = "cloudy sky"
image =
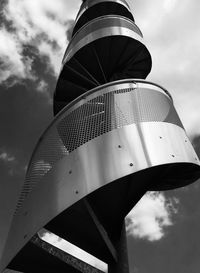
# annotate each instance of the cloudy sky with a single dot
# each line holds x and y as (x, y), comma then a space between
(163, 229)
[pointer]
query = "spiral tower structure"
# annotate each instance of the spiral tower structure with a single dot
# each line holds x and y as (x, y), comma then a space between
(114, 137)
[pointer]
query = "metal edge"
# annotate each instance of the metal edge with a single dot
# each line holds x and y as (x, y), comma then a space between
(83, 34)
(127, 169)
(118, 84)
(89, 4)
(105, 32)
(111, 86)
(131, 85)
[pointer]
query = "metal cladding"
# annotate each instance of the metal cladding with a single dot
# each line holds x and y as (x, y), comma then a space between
(106, 45)
(117, 138)
(94, 9)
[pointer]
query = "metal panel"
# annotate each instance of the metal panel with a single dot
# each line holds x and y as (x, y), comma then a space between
(102, 27)
(93, 9)
(111, 132)
(89, 4)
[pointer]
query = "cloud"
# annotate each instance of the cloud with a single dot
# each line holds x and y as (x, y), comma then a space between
(169, 4)
(172, 34)
(173, 42)
(42, 86)
(6, 157)
(148, 220)
(12, 61)
(41, 24)
(151, 216)
(10, 164)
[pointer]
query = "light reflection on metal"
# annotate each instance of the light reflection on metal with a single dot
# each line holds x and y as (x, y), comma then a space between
(117, 138)
(88, 4)
(137, 117)
(101, 27)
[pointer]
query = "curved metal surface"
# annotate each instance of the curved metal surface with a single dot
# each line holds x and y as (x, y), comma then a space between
(102, 27)
(116, 131)
(88, 4)
(86, 63)
(93, 9)
(125, 83)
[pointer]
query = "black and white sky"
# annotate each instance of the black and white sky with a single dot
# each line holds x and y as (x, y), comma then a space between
(163, 229)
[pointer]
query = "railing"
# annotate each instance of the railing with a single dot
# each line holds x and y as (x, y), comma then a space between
(116, 131)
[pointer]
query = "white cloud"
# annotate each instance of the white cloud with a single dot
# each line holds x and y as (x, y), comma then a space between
(39, 23)
(13, 166)
(54, 56)
(150, 217)
(171, 31)
(13, 63)
(6, 157)
(148, 220)
(42, 86)
(169, 5)
(51, 18)
(31, 18)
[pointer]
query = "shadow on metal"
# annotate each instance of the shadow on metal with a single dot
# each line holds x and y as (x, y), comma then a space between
(102, 151)
(90, 10)
(106, 45)
(40, 256)
(94, 162)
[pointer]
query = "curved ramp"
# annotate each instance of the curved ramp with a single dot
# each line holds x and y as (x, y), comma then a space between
(110, 145)
(90, 10)
(105, 49)
(113, 142)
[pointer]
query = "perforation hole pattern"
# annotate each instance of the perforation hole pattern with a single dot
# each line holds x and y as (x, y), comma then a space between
(94, 117)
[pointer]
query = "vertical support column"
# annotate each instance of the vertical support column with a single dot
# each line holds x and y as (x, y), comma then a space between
(122, 264)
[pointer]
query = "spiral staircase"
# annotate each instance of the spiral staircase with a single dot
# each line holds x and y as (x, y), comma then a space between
(114, 137)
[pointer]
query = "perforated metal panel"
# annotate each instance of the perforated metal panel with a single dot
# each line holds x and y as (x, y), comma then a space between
(127, 130)
(109, 109)
(48, 152)
(114, 110)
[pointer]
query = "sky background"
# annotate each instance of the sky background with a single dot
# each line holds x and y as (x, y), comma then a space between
(163, 229)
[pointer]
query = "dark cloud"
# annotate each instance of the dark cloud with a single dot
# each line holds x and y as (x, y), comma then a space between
(177, 252)
(179, 249)
(24, 114)
(24, 111)
(196, 144)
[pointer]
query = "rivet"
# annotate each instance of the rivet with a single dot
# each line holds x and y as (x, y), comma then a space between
(160, 137)
(70, 171)
(173, 155)
(196, 159)
(185, 140)
(76, 192)
(131, 164)
(119, 146)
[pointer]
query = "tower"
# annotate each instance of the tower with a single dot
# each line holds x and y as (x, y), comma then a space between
(115, 136)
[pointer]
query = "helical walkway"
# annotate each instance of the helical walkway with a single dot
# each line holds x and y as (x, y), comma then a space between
(114, 137)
